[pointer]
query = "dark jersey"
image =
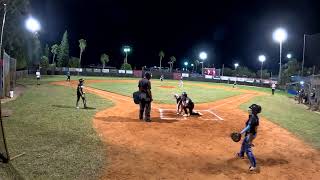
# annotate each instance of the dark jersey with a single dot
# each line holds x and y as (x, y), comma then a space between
(187, 102)
(80, 89)
(253, 121)
(144, 85)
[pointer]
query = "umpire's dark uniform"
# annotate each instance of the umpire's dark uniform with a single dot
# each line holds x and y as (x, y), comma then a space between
(145, 97)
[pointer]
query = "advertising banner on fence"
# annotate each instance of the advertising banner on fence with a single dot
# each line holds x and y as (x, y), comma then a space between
(105, 70)
(122, 71)
(210, 71)
(79, 69)
(185, 75)
(208, 77)
(97, 70)
(137, 73)
(129, 72)
(177, 76)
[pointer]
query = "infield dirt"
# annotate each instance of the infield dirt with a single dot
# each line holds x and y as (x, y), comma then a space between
(193, 148)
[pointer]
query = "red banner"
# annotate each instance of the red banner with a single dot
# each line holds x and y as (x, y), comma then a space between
(137, 73)
(177, 76)
(210, 71)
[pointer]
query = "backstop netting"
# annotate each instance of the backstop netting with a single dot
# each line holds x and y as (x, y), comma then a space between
(4, 90)
(312, 50)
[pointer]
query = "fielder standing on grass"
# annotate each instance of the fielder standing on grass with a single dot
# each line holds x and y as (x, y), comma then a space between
(145, 97)
(68, 76)
(81, 93)
(273, 88)
(250, 132)
(38, 77)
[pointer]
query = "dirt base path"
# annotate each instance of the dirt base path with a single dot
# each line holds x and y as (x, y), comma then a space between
(194, 148)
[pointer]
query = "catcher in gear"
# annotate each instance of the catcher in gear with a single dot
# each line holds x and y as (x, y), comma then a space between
(250, 132)
(81, 94)
(186, 104)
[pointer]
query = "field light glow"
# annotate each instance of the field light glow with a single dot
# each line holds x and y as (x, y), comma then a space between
(33, 25)
(186, 63)
(262, 58)
(280, 35)
(203, 55)
(289, 56)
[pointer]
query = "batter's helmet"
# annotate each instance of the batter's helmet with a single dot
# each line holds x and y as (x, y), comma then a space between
(81, 80)
(147, 75)
(184, 94)
(256, 109)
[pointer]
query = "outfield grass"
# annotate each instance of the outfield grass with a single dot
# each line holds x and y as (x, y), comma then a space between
(294, 117)
(59, 140)
(165, 95)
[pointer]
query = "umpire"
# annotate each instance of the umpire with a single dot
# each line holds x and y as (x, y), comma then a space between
(145, 97)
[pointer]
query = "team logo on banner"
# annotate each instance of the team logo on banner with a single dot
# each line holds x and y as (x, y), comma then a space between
(210, 71)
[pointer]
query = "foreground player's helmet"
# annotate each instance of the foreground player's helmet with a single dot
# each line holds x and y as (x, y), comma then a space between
(256, 109)
(81, 80)
(147, 75)
(184, 94)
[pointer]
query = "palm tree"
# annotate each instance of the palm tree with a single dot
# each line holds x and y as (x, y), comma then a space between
(82, 46)
(104, 59)
(54, 51)
(161, 55)
(196, 62)
(172, 61)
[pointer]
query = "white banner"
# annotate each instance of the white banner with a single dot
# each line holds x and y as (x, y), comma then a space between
(208, 76)
(122, 71)
(129, 71)
(79, 69)
(105, 70)
(72, 69)
(97, 70)
(185, 75)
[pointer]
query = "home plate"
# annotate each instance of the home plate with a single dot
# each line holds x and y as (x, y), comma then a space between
(171, 114)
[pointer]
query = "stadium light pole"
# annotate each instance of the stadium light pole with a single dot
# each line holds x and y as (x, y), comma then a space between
(289, 56)
(192, 65)
(203, 56)
(262, 59)
(186, 64)
(126, 50)
(280, 35)
(2, 28)
(33, 25)
(3, 22)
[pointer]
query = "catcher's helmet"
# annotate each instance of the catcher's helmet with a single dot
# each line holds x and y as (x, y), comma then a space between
(184, 94)
(256, 109)
(81, 80)
(147, 75)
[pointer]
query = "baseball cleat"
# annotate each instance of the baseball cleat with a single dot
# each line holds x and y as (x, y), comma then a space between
(251, 168)
(200, 114)
(77, 107)
(185, 115)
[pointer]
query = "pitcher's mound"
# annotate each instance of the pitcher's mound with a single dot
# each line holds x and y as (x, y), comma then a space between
(167, 87)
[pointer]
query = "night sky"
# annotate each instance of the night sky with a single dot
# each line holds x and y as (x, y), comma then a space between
(229, 31)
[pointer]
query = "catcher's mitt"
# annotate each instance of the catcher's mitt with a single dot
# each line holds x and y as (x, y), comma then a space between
(236, 137)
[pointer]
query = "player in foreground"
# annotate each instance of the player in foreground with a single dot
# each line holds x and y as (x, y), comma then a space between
(250, 132)
(185, 103)
(81, 94)
(145, 97)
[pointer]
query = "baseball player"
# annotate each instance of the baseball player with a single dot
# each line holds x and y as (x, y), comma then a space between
(38, 77)
(273, 88)
(161, 78)
(185, 103)
(181, 82)
(250, 132)
(68, 76)
(179, 103)
(81, 94)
